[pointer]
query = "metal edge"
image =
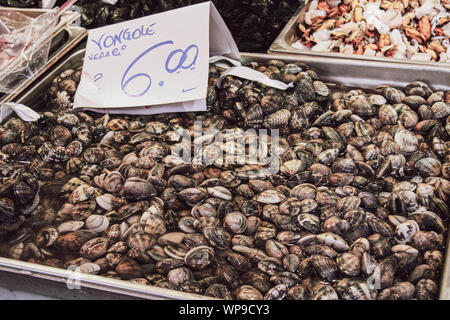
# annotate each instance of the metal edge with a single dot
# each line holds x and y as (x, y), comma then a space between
(95, 282)
(130, 289)
(444, 290)
(281, 45)
(328, 66)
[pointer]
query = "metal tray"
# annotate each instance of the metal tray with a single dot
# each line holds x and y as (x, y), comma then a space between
(63, 38)
(34, 97)
(343, 72)
(62, 43)
(283, 44)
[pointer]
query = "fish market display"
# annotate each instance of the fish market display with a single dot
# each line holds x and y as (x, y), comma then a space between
(253, 23)
(356, 208)
(401, 29)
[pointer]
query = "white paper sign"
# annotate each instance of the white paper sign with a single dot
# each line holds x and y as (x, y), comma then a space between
(161, 61)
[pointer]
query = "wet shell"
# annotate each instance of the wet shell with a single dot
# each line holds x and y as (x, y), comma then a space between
(321, 88)
(349, 264)
(324, 292)
(128, 269)
(278, 119)
(406, 140)
(387, 114)
(94, 248)
(428, 167)
(193, 195)
(325, 267)
(199, 258)
(155, 225)
(70, 226)
(138, 189)
(309, 222)
(333, 240)
(108, 201)
(404, 232)
(220, 192)
(89, 268)
(61, 135)
(217, 237)
(235, 222)
(254, 117)
(82, 210)
(247, 292)
(440, 110)
(278, 292)
(46, 237)
(111, 182)
(73, 241)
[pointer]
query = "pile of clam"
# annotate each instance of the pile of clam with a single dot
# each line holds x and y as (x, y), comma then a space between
(357, 208)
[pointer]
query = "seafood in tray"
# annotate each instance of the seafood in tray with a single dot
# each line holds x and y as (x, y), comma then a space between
(356, 208)
(401, 29)
(253, 23)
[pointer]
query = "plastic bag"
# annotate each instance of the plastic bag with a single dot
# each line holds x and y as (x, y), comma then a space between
(25, 48)
(23, 112)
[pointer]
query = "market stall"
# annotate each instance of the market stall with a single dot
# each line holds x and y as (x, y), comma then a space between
(308, 174)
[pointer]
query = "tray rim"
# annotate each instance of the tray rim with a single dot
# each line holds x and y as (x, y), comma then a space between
(95, 282)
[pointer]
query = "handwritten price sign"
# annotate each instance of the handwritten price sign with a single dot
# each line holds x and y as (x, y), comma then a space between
(186, 61)
(159, 60)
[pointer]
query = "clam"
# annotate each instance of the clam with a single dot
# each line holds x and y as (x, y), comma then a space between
(199, 258)
(138, 189)
(97, 223)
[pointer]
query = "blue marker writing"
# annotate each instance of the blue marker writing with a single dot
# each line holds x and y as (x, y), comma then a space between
(187, 90)
(98, 76)
(108, 41)
(183, 58)
(124, 82)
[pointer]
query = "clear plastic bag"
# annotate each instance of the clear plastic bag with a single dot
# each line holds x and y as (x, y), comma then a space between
(25, 49)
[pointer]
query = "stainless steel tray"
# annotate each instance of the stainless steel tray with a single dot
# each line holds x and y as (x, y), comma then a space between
(367, 74)
(283, 44)
(340, 71)
(74, 35)
(62, 43)
(35, 95)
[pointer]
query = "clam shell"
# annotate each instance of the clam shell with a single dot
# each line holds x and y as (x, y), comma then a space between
(70, 226)
(270, 196)
(97, 223)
